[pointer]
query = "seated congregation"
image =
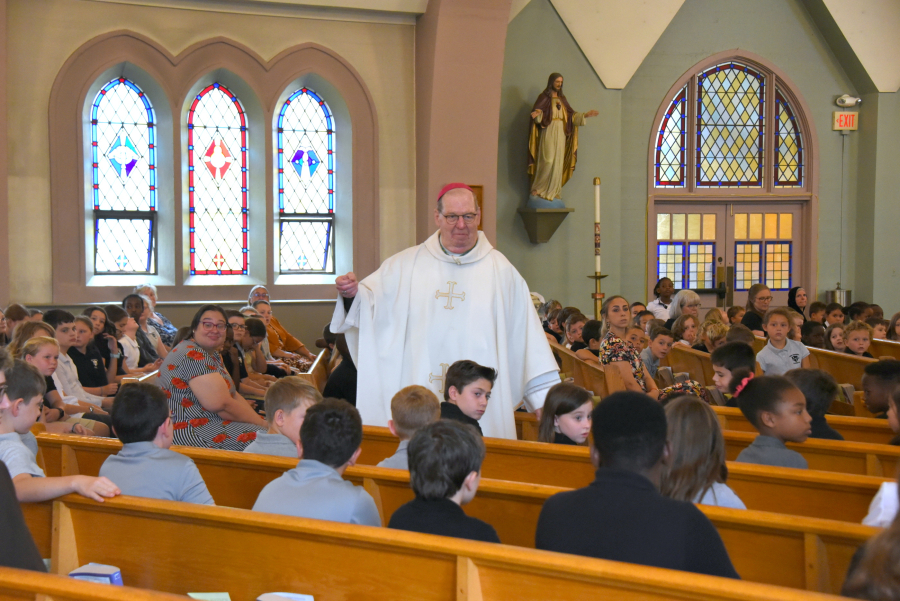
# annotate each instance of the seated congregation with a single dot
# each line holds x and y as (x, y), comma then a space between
(228, 381)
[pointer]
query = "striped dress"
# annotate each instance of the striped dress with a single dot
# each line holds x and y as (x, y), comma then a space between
(194, 425)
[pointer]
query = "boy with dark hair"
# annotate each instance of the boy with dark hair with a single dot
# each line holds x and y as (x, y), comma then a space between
(740, 333)
(781, 354)
(65, 378)
(145, 467)
(20, 407)
(820, 390)
(817, 312)
(287, 402)
(467, 390)
(859, 311)
(413, 408)
(661, 342)
(879, 381)
(834, 314)
(592, 334)
(329, 443)
(728, 358)
(444, 471)
(622, 516)
(812, 333)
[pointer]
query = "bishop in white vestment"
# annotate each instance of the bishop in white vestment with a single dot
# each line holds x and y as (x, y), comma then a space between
(431, 305)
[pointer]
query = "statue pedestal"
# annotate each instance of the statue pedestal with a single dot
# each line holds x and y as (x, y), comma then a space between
(541, 224)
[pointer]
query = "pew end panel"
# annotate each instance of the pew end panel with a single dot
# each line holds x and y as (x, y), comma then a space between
(34, 586)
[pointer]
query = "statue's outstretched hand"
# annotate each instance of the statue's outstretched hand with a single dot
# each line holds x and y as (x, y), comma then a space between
(535, 113)
(347, 286)
(592, 113)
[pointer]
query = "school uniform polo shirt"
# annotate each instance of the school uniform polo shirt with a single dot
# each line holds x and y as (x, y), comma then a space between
(399, 460)
(278, 445)
(775, 362)
(17, 457)
(141, 469)
(768, 450)
(315, 490)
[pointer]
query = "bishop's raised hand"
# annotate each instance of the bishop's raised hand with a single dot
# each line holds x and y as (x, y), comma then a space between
(347, 285)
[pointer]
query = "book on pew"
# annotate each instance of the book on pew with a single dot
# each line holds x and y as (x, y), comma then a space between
(98, 572)
(284, 597)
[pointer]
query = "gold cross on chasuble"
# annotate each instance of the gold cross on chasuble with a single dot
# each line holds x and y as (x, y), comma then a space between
(433, 378)
(450, 295)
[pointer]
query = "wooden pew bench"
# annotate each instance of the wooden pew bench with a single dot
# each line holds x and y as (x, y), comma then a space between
(855, 429)
(844, 367)
(696, 363)
(26, 585)
(187, 547)
(885, 348)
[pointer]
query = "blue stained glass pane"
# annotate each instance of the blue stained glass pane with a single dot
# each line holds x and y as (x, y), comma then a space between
(670, 262)
(306, 186)
(670, 144)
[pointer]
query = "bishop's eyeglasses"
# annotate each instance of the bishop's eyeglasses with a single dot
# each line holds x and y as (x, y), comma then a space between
(468, 218)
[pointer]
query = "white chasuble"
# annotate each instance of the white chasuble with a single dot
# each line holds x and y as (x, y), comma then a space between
(424, 309)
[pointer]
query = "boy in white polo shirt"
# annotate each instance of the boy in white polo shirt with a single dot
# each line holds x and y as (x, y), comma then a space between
(781, 354)
(145, 467)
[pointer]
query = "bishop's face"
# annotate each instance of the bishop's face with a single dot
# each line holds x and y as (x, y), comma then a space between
(458, 236)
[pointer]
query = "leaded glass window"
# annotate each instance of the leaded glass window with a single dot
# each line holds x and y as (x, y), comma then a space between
(670, 144)
(123, 179)
(670, 262)
(788, 146)
(730, 115)
(306, 184)
(763, 250)
(217, 183)
(686, 249)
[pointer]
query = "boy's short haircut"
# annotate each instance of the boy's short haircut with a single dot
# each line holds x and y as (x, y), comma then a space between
(662, 331)
(331, 432)
(809, 327)
(778, 311)
(886, 370)
(819, 387)
(289, 393)
(875, 321)
(441, 455)
(573, 319)
(55, 317)
(413, 408)
(24, 381)
(637, 304)
(593, 330)
(714, 330)
(462, 373)
(255, 327)
(629, 431)
(857, 326)
(734, 355)
(653, 324)
(830, 307)
(115, 313)
(229, 313)
(734, 310)
(554, 315)
(138, 411)
(816, 307)
(86, 321)
(637, 318)
(740, 333)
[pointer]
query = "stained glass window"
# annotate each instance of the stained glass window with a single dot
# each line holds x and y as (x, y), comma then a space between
(123, 179)
(767, 257)
(701, 264)
(670, 262)
(747, 264)
(788, 146)
(730, 115)
(306, 184)
(217, 183)
(670, 144)
(778, 265)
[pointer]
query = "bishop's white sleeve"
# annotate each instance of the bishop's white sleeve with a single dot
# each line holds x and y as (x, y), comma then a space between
(884, 506)
(536, 390)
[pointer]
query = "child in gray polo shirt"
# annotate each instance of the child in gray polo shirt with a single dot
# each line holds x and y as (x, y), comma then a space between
(286, 403)
(781, 354)
(145, 467)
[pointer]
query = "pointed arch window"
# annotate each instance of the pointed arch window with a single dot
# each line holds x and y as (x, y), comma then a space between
(123, 179)
(671, 144)
(217, 183)
(305, 138)
(788, 145)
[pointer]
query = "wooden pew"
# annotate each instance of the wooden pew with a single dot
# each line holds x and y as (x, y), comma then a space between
(843, 366)
(235, 479)
(567, 362)
(781, 490)
(34, 586)
(339, 561)
(859, 405)
(696, 363)
(885, 348)
(759, 343)
(857, 429)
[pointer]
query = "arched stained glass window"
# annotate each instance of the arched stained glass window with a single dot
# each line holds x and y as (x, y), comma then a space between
(306, 183)
(123, 179)
(671, 144)
(730, 115)
(217, 183)
(788, 146)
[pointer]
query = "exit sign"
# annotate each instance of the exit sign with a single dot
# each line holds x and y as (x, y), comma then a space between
(844, 121)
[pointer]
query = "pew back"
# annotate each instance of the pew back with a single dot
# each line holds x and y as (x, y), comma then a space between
(885, 348)
(33, 586)
(696, 363)
(845, 368)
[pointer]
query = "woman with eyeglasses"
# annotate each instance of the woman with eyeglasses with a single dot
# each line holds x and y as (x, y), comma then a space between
(207, 409)
(758, 298)
(686, 302)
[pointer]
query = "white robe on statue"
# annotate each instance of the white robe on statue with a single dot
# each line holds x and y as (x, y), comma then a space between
(424, 309)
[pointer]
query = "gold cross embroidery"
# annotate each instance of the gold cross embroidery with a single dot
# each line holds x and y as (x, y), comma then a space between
(450, 295)
(433, 378)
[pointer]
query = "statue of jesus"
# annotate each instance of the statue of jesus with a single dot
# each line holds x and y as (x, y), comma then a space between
(553, 143)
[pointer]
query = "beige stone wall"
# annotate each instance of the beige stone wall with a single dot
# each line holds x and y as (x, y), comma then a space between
(43, 34)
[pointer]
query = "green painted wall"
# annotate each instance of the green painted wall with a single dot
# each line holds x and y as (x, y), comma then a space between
(781, 31)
